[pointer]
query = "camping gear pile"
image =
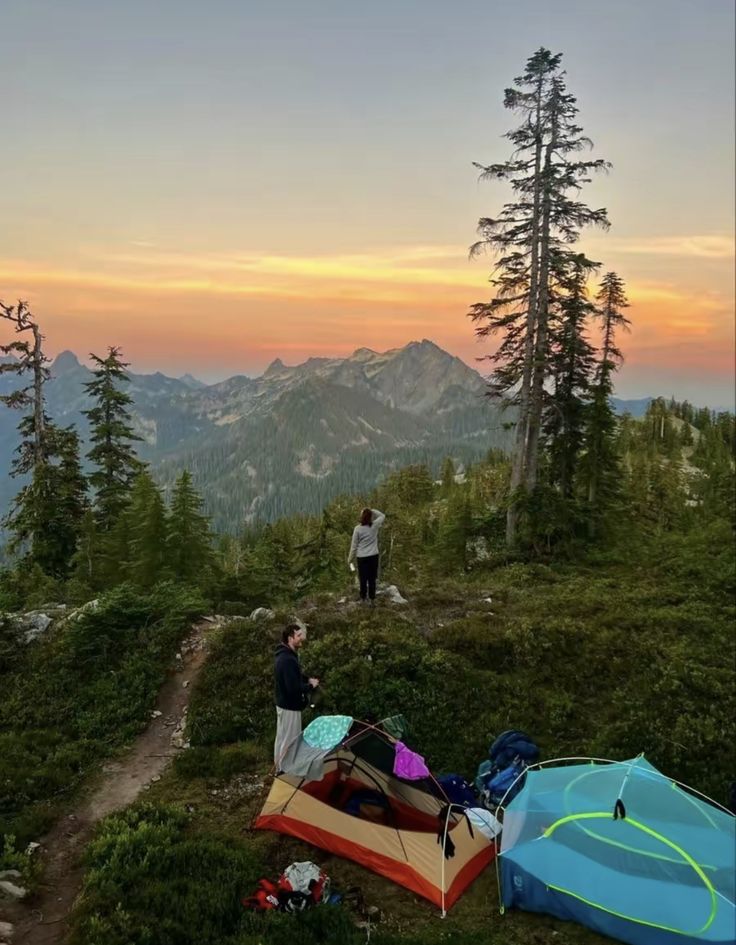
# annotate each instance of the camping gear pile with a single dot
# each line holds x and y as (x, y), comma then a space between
(613, 845)
(501, 775)
(300, 886)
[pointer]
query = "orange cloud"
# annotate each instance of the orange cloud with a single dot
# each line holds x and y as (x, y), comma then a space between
(234, 311)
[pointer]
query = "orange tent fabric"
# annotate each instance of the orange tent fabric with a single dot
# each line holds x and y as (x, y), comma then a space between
(397, 839)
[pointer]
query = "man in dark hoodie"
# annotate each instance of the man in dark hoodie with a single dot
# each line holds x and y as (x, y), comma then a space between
(292, 689)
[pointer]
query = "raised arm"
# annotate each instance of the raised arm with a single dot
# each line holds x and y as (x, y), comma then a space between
(378, 518)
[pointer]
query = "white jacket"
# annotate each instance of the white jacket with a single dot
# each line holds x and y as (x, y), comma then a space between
(365, 537)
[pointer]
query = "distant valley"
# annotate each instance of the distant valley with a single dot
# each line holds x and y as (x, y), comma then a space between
(292, 439)
(295, 437)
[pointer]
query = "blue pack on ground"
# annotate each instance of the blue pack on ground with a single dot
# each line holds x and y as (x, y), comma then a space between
(484, 774)
(510, 746)
(506, 782)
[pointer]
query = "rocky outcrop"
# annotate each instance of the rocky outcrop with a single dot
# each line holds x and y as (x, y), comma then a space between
(33, 624)
(262, 613)
(9, 887)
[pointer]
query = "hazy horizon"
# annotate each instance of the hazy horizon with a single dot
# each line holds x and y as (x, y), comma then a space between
(214, 189)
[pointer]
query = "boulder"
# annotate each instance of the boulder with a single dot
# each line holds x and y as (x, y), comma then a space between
(262, 613)
(178, 738)
(10, 890)
(37, 624)
(90, 607)
(6, 931)
(29, 626)
(392, 594)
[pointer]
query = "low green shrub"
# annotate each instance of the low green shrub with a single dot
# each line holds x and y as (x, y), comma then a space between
(220, 763)
(151, 879)
(82, 690)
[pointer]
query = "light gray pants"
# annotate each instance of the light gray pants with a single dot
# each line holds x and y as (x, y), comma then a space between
(288, 729)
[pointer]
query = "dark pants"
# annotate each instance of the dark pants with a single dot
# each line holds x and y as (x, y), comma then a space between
(368, 572)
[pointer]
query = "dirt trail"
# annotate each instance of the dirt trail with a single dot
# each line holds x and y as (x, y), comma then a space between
(43, 919)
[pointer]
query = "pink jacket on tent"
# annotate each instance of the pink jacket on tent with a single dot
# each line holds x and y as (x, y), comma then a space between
(408, 764)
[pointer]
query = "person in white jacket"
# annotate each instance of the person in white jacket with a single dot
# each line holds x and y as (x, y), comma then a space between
(364, 548)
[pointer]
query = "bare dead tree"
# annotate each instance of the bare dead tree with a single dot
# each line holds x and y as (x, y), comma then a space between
(27, 358)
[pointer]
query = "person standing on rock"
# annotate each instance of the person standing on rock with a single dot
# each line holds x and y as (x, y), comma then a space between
(292, 689)
(364, 548)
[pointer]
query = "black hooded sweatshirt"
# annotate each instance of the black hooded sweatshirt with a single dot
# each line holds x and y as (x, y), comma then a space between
(292, 686)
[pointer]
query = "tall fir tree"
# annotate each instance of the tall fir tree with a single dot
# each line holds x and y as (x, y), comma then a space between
(189, 547)
(69, 486)
(146, 532)
(572, 364)
(85, 577)
(526, 237)
(448, 475)
(112, 437)
(601, 472)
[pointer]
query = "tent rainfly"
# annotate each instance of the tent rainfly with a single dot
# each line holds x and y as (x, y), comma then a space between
(623, 849)
(338, 789)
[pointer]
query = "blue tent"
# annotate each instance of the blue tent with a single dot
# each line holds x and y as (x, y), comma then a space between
(622, 849)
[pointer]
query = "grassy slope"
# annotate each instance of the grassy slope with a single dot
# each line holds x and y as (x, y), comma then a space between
(78, 695)
(611, 659)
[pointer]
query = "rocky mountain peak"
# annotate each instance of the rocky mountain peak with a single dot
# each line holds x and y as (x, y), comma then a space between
(275, 367)
(362, 354)
(65, 362)
(192, 381)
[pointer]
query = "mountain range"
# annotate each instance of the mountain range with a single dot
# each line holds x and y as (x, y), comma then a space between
(297, 436)
(292, 439)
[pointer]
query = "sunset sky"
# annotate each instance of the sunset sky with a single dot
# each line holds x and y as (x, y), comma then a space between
(215, 185)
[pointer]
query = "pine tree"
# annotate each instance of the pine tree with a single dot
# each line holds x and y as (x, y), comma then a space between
(85, 564)
(70, 487)
(45, 518)
(448, 475)
(572, 363)
(189, 546)
(526, 236)
(600, 466)
(514, 236)
(147, 528)
(112, 437)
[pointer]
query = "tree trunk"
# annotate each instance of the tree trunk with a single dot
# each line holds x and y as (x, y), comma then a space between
(540, 355)
(519, 464)
(38, 412)
(541, 345)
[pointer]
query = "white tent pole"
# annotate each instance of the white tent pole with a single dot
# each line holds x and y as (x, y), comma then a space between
(442, 854)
